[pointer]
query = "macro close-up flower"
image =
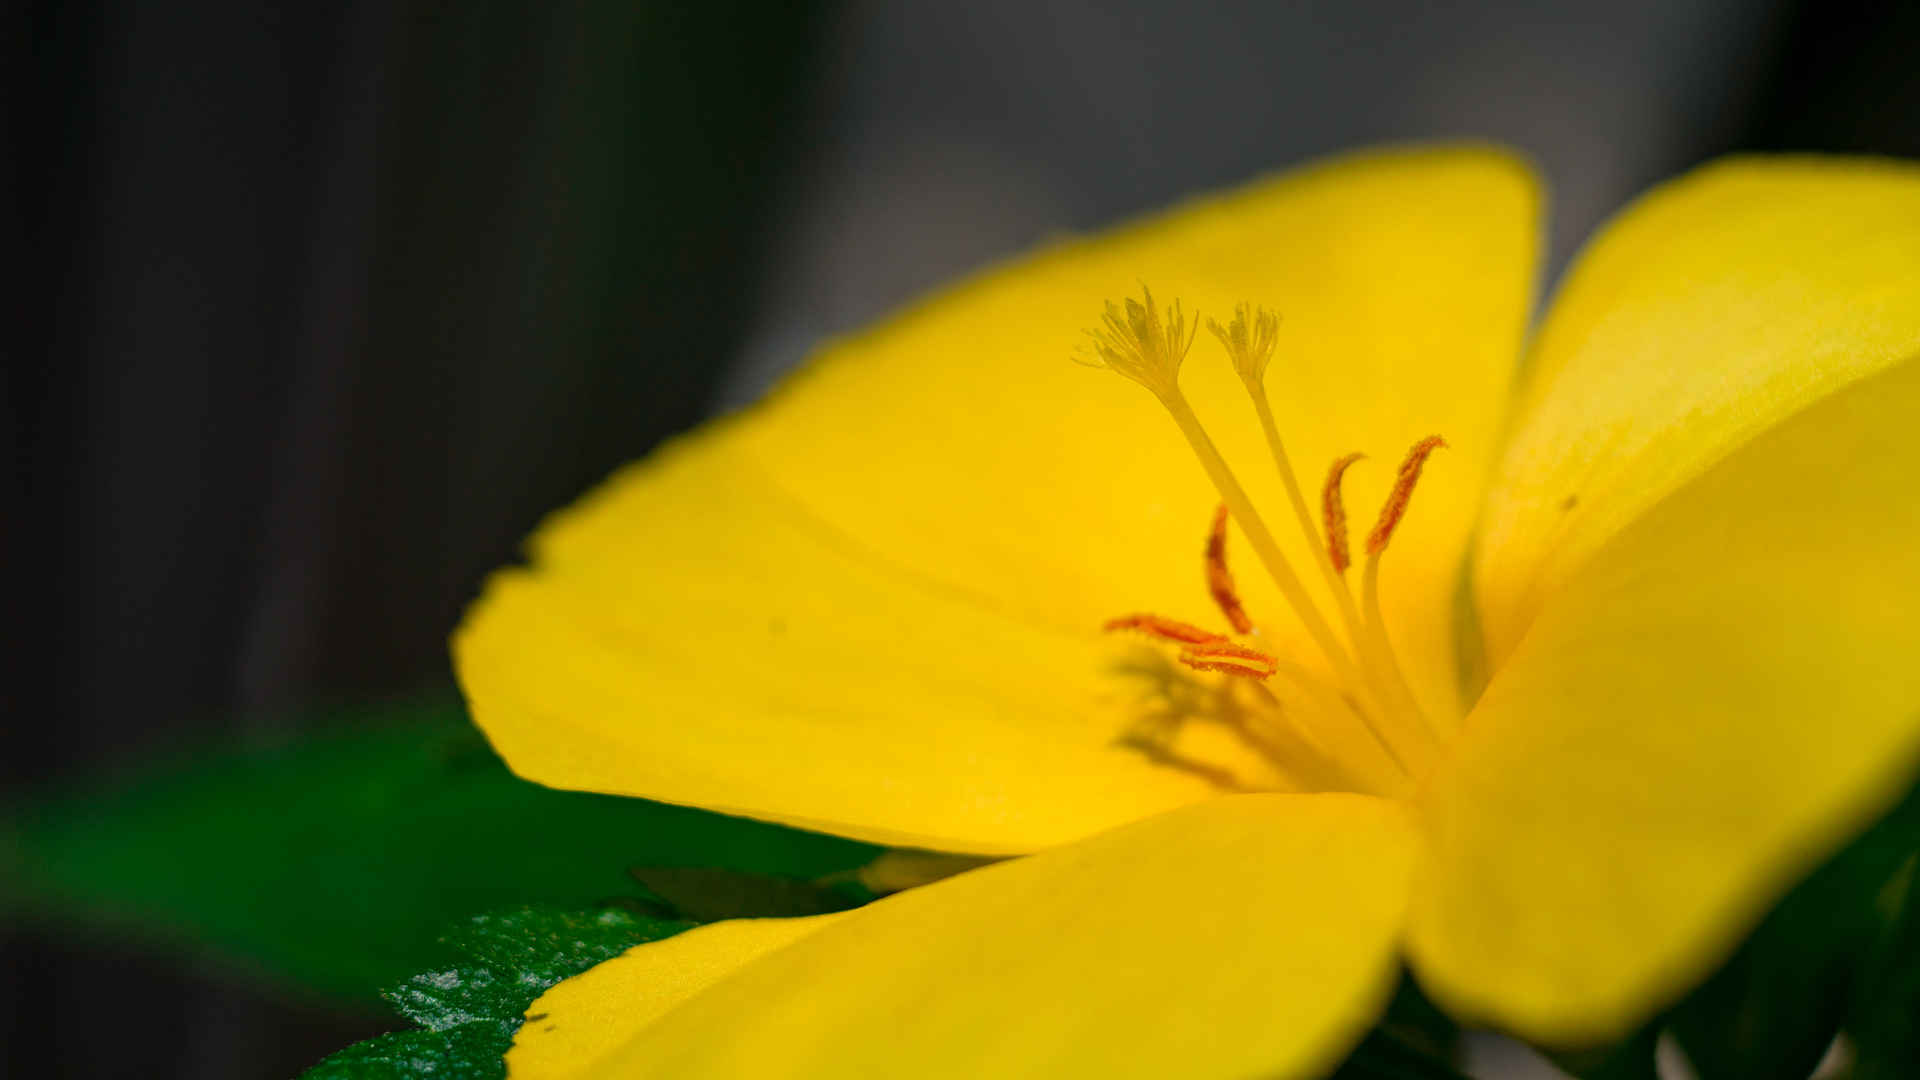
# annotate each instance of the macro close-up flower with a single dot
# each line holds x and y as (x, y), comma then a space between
(1607, 640)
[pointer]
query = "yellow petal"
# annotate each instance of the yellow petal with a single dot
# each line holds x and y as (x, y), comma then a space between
(1248, 936)
(1714, 307)
(1724, 694)
(871, 605)
(577, 1024)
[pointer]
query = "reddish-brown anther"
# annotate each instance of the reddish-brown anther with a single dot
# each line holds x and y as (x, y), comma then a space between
(1169, 629)
(1219, 580)
(1333, 512)
(1397, 500)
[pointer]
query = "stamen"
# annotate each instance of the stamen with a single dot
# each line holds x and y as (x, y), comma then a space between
(1164, 628)
(1333, 511)
(1219, 580)
(1230, 659)
(1375, 621)
(1402, 493)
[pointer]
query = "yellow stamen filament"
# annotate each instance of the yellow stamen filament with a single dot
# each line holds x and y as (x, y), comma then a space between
(1375, 628)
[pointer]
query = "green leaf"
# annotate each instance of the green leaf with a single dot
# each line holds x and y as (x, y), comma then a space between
(500, 963)
(468, 1052)
(506, 959)
(1775, 1007)
(336, 862)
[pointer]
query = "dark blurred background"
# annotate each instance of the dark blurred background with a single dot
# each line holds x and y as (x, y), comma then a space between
(318, 309)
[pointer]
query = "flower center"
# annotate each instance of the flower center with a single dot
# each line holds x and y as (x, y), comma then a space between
(1368, 693)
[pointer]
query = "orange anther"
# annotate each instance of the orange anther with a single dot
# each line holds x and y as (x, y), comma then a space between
(1396, 507)
(1219, 581)
(1229, 658)
(1170, 629)
(1333, 512)
(1396, 500)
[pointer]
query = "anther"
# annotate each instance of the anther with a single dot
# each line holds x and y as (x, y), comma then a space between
(1333, 512)
(1164, 628)
(1229, 658)
(1396, 507)
(1219, 580)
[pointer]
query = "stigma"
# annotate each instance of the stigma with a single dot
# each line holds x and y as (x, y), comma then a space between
(1361, 683)
(1140, 341)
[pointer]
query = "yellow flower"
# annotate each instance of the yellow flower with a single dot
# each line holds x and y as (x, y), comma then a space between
(1639, 652)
